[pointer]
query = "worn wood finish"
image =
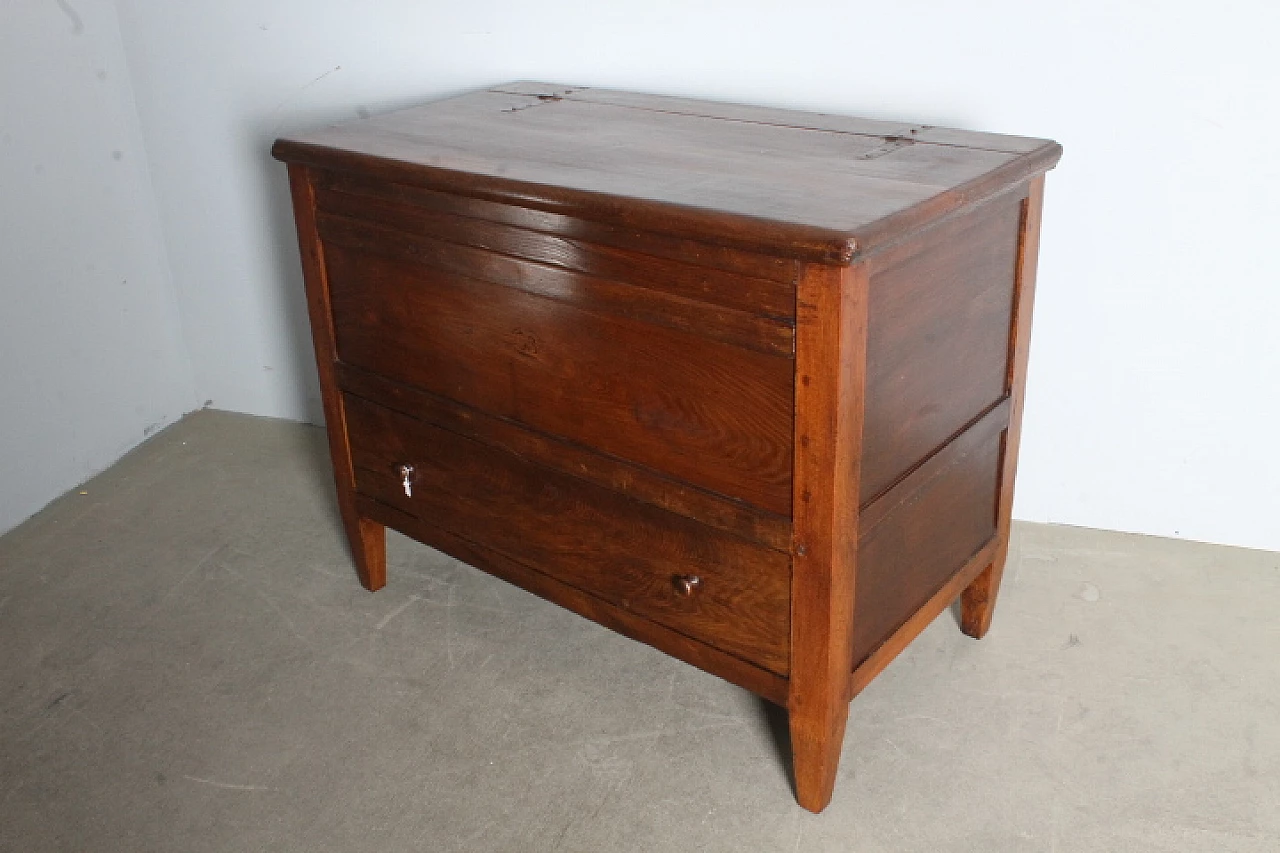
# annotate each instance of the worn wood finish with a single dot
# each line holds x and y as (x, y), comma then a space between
(368, 539)
(779, 117)
(822, 196)
(979, 600)
(618, 475)
(741, 383)
(831, 326)
(732, 669)
(630, 554)
(713, 415)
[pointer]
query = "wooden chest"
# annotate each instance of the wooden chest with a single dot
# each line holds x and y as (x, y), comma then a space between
(743, 384)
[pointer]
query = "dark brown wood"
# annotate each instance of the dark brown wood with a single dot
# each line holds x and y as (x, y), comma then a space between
(623, 551)
(979, 600)
(874, 664)
(780, 118)
(733, 278)
(368, 539)
(831, 331)
(742, 383)
(619, 475)
(769, 335)
(710, 414)
(923, 530)
(678, 173)
(734, 670)
(937, 352)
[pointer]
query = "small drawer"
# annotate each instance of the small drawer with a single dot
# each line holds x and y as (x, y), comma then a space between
(708, 585)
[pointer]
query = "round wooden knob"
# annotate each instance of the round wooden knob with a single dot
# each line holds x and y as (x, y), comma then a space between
(686, 585)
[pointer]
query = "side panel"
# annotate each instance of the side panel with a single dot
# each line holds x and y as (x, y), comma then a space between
(942, 526)
(924, 530)
(938, 336)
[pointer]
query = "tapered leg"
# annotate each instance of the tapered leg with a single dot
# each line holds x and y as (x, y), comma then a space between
(831, 312)
(369, 550)
(978, 601)
(817, 738)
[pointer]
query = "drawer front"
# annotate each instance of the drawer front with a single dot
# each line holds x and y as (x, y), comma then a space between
(702, 411)
(633, 555)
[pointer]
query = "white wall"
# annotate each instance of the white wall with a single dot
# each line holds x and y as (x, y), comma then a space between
(1154, 400)
(91, 357)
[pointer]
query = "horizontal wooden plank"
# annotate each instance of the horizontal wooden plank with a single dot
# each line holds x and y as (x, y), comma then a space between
(626, 552)
(733, 278)
(734, 670)
(588, 293)
(634, 481)
(780, 117)
(703, 412)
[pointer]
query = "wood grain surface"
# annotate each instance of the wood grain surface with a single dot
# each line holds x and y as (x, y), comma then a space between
(567, 457)
(504, 265)
(979, 600)
(367, 538)
(736, 278)
(713, 415)
(924, 529)
(831, 330)
(937, 350)
(732, 669)
(815, 193)
(628, 553)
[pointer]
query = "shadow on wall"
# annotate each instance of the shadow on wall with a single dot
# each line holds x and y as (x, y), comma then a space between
(287, 268)
(287, 290)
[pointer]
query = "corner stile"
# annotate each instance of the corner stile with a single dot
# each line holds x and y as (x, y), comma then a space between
(831, 343)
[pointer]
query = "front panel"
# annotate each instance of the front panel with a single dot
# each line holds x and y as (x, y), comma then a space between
(649, 370)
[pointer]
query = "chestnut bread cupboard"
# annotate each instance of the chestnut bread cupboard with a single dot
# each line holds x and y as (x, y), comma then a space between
(744, 384)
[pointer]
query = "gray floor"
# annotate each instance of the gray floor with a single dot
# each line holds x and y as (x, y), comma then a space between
(188, 664)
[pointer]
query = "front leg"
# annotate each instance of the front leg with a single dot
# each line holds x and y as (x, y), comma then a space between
(817, 723)
(831, 312)
(369, 550)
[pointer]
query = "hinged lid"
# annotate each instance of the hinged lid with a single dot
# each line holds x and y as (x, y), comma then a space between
(805, 185)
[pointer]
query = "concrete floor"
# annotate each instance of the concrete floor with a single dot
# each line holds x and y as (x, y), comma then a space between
(187, 663)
